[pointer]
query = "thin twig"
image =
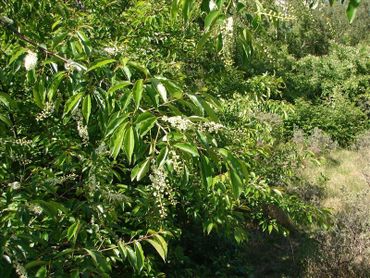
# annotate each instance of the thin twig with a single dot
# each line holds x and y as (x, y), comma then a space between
(9, 27)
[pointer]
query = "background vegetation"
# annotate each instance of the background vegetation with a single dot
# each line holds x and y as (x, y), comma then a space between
(184, 138)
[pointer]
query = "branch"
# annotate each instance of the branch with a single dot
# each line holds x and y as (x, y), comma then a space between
(7, 24)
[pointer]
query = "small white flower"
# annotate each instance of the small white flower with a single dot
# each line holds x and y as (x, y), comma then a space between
(15, 185)
(110, 50)
(178, 122)
(229, 24)
(212, 5)
(30, 61)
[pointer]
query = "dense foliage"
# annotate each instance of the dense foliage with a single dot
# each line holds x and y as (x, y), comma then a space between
(134, 134)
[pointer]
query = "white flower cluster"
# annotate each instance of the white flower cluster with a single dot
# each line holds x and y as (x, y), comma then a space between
(30, 60)
(23, 141)
(110, 50)
(15, 185)
(162, 191)
(211, 127)
(36, 209)
(81, 128)
(212, 5)
(46, 112)
(228, 42)
(178, 122)
(176, 162)
(71, 66)
(102, 149)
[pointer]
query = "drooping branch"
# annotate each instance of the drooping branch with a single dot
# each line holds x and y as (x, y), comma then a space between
(7, 24)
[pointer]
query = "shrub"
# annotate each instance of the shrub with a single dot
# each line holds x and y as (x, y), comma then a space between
(337, 116)
(344, 250)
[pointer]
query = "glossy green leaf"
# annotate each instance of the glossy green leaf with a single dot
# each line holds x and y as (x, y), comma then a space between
(5, 100)
(17, 54)
(129, 143)
(162, 156)
(131, 254)
(210, 18)
(122, 250)
(236, 183)
(186, 147)
(5, 120)
(57, 79)
(352, 9)
(86, 107)
(140, 170)
(39, 94)
(145, 122)
(100, 64)
(73, 231)
(138, 92)
(99, 260)
(158, 247)
(118, 139)
(140, 259)
(114, 123)
(72, 103)
(118, 86)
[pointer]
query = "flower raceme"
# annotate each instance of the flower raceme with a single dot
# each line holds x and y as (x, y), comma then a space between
(30, 60)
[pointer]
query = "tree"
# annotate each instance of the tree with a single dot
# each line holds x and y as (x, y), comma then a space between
(110, 143)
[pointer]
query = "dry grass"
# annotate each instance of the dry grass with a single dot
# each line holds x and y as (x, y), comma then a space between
(344, 176)
(342, 170)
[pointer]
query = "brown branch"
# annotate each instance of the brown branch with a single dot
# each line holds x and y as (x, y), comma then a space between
(6, 23)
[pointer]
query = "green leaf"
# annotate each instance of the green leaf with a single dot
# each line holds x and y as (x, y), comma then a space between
(72, 103)
(100, 64)
(5, 120)
(187, 8)
(140, 259)
(122, 250)
(17, 54)
(186, 147)
(160, 88)
(73, 231)
(118, 140)
(174, 9)
(55, 84)
(163, 243)
(118, 86)
(145, 122)
(236, 183)
(138, 92)
(114, 123)
(269, 228)
(140, 170)
(210, 18)
(206, 171)
(212, 115)
(162, 156)
(132, 257)
(39, 94)
(139, 67)
(42, 272)
(99, 260)
(352, 9)
(5, 99)
(158, 247)
(64, 252)
(86, 107)
(129, 143)
(34, 264)
(209, 228)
